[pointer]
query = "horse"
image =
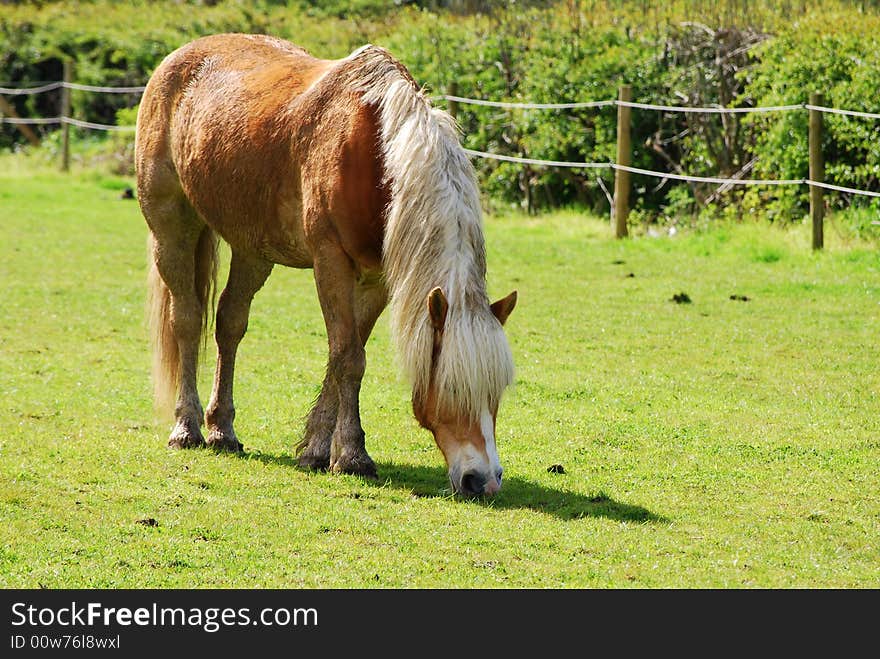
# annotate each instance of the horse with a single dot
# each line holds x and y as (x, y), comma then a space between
(342, 166)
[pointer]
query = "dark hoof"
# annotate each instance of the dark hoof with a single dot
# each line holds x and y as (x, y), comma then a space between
(313, 462)
(313, 453)
(359, 465)
(222, 442)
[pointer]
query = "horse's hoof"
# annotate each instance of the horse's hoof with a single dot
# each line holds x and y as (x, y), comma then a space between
(359, 465)
(181, 440)
(313, 462)
(222, 442)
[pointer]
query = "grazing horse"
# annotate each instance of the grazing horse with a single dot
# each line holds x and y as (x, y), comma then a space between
(344, 167)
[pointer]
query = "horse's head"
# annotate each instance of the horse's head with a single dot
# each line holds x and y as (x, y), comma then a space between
(468, 444)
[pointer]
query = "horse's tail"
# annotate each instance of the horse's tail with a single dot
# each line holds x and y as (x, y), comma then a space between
(166, 353)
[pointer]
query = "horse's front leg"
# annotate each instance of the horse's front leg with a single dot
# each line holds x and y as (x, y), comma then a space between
(313, 452)
(247, 275)
(335, 278)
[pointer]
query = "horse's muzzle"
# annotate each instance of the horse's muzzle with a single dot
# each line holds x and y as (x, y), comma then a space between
(474, 483)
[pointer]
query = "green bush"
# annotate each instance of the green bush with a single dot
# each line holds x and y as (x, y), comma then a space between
(534, 56)
(578, 50)
(844, 65)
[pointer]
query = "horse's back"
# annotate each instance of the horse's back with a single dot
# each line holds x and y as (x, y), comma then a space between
(215, 128)
(232, 70)
(274, 149)
(230, 64)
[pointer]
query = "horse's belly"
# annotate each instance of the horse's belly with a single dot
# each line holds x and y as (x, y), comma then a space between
(282, 239)
(292, 255)
(249, 205)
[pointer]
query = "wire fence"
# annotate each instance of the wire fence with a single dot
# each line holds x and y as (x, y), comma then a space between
(63, 84)
(651, 106)
(451, 98)
(664, 108)
(79, 123)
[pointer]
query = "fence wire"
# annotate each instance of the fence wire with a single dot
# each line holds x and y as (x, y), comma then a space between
(17, 91)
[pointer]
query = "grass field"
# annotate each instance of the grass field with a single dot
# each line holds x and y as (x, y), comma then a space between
(719, 443)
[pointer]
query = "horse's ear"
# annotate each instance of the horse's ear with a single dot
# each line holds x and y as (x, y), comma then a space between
(503, 307)
(437, 308)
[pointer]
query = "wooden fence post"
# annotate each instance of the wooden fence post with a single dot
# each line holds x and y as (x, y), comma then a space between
(452, 90)
(624, 157)
(817, 172)
(65, 112)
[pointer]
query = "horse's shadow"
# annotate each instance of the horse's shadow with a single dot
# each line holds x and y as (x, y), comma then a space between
(518, 492)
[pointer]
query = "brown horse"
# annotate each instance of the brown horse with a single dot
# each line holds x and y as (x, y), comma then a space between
(341, 166)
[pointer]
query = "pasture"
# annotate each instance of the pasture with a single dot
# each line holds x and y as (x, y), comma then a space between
(721, 443)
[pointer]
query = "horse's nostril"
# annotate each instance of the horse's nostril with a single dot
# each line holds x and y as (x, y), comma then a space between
(472, 483)
(499, 474)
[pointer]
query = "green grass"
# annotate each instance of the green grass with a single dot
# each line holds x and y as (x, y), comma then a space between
(722, 443)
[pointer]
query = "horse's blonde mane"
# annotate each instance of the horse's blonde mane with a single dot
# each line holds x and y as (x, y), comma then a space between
(433, 237)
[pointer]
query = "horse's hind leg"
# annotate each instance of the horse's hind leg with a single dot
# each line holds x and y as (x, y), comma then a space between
(183, 256)
(246, 276)
(314, 450)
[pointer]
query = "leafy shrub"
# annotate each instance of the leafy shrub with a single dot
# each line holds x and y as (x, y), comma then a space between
(742, 54)
(844, 65)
